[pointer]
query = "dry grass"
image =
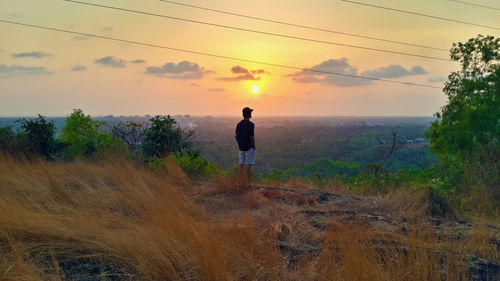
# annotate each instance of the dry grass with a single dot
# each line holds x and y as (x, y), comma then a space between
(58, 220)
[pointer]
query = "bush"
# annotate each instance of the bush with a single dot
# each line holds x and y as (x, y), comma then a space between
(82, 136)
(164, 137)
(40, 136)
(7, 138)
(194, 164)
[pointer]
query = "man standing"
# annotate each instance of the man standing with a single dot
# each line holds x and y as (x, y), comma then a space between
(246, 143)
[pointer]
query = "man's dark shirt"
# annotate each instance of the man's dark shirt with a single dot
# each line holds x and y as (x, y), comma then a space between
(244, 130)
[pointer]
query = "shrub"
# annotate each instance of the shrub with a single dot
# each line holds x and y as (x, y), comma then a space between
(164, 137)
(193, 163)
(39, 134)
(82, 136)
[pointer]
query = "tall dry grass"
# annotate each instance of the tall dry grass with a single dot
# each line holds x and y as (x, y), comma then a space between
(63, 221)
(122, 218)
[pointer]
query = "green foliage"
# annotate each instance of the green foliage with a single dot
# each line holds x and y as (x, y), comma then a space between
(82, 136)
(319, 171)
(39, 134)
(7, 138)
(193, 163)
(156, 165)
(164, 137)
(466, 134)
(441, 194)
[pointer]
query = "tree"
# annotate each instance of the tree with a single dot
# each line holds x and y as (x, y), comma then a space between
(130, 133)
(40, 136)
(82, 136)
(164, 137)
(466, 133)
(7, 138)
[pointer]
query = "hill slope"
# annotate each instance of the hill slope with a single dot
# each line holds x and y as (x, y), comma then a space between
(115, 221)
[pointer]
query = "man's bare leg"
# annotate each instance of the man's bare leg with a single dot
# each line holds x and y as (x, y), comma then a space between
(241, 180)
(249, 174)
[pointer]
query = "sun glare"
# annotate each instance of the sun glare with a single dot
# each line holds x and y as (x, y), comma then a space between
(255, 89)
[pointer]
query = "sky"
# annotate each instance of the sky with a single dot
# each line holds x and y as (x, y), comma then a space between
(51, 73)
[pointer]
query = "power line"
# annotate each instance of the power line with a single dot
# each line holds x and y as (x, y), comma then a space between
(213, 55)
(260, 32)
(473, 4)
(420, 14)
(477, 5)
(305, 26)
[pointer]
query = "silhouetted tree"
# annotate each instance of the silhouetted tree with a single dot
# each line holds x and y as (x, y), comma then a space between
(40, 135)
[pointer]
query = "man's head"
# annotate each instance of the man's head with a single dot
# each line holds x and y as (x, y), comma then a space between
(247, 112)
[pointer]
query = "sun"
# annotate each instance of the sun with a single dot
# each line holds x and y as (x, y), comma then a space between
(255, 89)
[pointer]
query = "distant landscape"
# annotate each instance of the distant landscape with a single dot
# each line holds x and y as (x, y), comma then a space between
(294, 142)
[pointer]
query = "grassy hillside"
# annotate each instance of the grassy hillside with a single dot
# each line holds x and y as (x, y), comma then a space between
(111, 220)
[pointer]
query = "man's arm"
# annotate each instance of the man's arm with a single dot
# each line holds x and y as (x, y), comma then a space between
(252, 140)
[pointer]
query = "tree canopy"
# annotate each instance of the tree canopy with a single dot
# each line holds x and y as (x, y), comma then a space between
(467, 129)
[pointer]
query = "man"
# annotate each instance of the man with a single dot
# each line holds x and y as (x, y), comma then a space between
(246, 144)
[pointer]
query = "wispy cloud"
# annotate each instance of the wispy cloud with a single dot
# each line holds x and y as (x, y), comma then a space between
(216, 90)
(340, 66)
(34, 54)
(138, 61)
(111, 61)
(182, 70)
(345, 70)
(394, 71)
(17, 70)
(79, 68)
(243, 74)
(80, 37)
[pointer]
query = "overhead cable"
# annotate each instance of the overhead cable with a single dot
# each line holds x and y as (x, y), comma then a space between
(213, 55)
(422, 15)
(477, 5)
(305, 26)
(258, 31)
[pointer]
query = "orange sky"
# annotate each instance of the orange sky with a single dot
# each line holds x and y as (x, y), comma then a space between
(51, 73)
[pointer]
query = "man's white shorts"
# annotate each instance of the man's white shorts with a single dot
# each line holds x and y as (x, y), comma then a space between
(247, 157)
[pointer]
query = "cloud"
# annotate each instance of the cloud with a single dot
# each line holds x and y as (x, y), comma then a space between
(34, 54)
(394, 71)
(15, 70)
(239, 78)
(216, 90)
(80, 37)
(194, 84)
(182, 70)
(344, 70)
(15, 16)
(79, 68)
(245, 74)
(437, 79)
(340, 66)
(111, 61)
(138, 61)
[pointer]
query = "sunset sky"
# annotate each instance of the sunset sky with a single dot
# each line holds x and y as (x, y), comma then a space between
(51, 73)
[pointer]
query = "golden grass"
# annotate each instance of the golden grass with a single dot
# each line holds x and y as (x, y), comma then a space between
(127, 221)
